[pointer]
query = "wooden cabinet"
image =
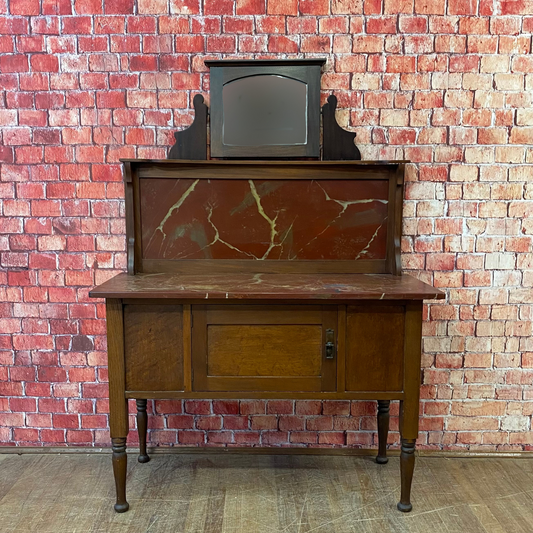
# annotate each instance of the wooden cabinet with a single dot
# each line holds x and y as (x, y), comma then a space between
(263, 348)
(264, 280)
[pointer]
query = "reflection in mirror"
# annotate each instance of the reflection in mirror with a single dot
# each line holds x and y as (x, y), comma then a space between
(264, 110)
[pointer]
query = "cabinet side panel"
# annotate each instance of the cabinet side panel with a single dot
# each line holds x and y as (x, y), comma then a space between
(374, 348)
(153, 338)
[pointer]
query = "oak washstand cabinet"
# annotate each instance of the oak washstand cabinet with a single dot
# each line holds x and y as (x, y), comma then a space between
(264, 279)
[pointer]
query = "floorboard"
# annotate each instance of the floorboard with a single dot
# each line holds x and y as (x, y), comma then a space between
(264, 494)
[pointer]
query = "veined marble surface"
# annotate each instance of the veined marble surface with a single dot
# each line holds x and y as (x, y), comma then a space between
(264, 220)
(241, 286)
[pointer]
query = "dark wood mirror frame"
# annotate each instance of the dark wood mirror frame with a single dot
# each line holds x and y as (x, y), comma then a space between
(223, 72)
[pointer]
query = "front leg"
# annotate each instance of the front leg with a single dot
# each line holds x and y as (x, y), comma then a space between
(118, 404)
(383, 431)
(409, 406)
(142, 425)
(407, 466)
(120, 468)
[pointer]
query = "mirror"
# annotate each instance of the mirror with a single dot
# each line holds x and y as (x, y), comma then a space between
(264, 109)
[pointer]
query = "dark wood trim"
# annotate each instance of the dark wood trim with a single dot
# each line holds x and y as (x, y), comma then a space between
(118, 418)
(259, 162)
(187, 346)
(391, 220)
(412, 354)
(383, 430)
(191, 143)
(398, 215)
(142, 428)
(198, 349)
(341, 349)
(356, 304)
(130, 217)
(338, 143)
(271, 170)
(223, 72)
(259, 450)
(265, 62)
(264, 395)
(118, 404)
(329, 366)
(206, 266)
(137, 223)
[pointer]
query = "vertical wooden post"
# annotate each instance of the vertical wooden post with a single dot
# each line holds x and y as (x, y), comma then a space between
(142, 427)
(118, 405)
(409, 407)
(383, 431)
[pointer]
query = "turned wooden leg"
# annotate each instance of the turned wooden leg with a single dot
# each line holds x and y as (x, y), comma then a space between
(409, 406)
(118, 404)
(383, 431)
(120, 467)
(142, 425)
(407, 466)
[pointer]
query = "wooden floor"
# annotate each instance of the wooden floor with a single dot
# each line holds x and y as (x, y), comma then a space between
(264, 494)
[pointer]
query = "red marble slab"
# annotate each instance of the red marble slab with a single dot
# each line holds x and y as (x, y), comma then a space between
(263, 219)
(247, 286)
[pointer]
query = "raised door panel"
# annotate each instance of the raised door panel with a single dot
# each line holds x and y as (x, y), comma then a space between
(153, 343)
(374, 348)
(262, 348)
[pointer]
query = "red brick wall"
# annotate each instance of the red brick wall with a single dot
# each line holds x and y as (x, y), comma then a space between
(446, 84)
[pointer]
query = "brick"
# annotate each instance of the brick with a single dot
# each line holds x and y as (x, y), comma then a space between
(118, 7)
(24, 7)
(264, 422)
(401, 64)
(13, 63)
(368, 44)
(282, 44)
(282, 7)
(430, 7)
(462, 7)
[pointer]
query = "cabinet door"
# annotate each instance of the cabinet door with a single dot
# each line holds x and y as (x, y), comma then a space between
(374, 348)
(264, 348)
(153, 346)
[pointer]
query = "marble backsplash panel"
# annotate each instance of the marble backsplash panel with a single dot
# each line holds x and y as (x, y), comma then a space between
(263, 219)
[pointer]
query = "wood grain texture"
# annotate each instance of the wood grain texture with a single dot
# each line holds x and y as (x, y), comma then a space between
(374, 348)
(264, 350)
(269, 348)
(341, 348)
(412, 355)
(187, 357)
(130, 218)
(254, 494)
(153, 347)
(118, 417)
